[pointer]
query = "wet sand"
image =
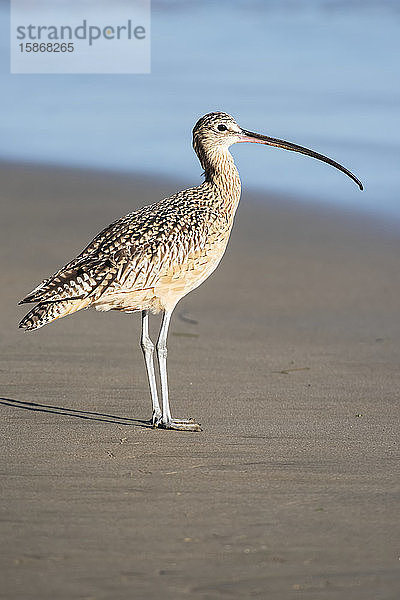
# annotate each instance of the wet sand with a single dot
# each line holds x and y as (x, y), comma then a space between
(288, 356)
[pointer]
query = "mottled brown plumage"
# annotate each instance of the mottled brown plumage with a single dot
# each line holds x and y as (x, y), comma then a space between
(149, 259)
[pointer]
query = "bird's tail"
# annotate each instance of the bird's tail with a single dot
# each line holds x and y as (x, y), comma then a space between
(46, 312)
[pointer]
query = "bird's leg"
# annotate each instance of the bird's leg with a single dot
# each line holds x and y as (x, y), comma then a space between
(167, 422)
(148, 351)
(162, 361)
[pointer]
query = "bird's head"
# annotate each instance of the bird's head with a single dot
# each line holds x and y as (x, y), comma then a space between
(217, 131)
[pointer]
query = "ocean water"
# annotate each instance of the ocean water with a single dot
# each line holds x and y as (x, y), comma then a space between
(321, 73)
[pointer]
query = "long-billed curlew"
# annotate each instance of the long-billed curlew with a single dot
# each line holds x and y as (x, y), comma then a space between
(149, 259)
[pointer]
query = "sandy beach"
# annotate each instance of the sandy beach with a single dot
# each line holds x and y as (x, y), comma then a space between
(289, 358)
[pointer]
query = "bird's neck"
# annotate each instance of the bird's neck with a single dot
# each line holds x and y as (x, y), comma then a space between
(221, 173)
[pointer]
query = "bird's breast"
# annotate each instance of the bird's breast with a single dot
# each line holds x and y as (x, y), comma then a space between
(186, 273)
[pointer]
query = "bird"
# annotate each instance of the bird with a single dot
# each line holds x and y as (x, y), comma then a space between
(150, 259)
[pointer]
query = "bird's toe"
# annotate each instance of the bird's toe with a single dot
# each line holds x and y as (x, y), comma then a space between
(181, 425)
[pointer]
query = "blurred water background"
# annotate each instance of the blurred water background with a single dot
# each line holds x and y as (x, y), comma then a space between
(321, 73)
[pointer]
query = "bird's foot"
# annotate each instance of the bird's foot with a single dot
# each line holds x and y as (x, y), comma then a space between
(156, 418)
(180, 425)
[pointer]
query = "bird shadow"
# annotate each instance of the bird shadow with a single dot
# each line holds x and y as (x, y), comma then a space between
(71, 412)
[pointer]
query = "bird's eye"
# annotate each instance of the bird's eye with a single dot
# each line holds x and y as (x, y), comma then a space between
(222, 127)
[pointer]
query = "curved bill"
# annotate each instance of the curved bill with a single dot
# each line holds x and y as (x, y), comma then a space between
(256, 138)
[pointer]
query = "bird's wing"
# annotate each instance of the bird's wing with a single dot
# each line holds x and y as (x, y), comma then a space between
(138, 242)
(75, 281)
(94, 268)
